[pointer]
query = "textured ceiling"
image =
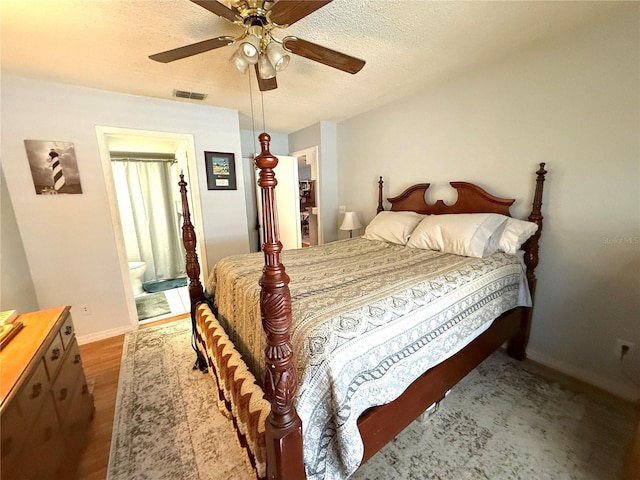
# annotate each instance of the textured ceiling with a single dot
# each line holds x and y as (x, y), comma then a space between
(407, 44)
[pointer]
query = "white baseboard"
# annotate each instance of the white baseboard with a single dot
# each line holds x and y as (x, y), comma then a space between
(114, 332)
(622, 390)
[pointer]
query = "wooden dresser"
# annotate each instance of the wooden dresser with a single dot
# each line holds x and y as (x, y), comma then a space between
(46, 406)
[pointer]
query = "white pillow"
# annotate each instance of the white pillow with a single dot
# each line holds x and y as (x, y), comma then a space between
(515, 233)
(468, 234)
(393, 227)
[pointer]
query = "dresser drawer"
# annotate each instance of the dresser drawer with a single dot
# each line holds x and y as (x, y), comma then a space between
(53, 356)
(74, 357)
(13, 434)
(75, 427)
(33, 394)
(67, 332)
(65, 383)
(43, 456)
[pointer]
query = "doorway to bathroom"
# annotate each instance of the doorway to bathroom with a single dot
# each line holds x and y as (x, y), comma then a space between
(144, 168)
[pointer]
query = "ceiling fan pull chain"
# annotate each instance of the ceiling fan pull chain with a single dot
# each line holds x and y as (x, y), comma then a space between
(253, 122)
(264, 127)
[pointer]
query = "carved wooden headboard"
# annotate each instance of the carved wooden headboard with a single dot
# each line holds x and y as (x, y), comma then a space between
(471, 199)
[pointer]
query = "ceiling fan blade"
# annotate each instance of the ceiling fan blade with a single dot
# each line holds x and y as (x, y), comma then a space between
(287, 12)
(325, 55)
(219, 9)
(193, 49)
(265, 84)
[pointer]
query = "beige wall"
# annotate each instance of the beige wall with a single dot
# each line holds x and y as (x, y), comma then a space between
(572, 102)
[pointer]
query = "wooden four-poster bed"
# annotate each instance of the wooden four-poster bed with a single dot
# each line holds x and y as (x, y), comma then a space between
(267, 412)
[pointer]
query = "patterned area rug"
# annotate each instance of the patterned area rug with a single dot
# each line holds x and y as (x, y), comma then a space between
(150, 306)
(500, 422)
(166, 425)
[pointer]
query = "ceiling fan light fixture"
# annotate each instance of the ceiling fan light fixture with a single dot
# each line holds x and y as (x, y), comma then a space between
(256, 45)
(277, 56)
(250, 48)
(265, 68)
(239, 61)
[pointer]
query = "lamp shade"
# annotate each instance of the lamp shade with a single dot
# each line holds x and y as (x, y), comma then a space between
(277, 56)
(250, 48)
(239, 61)
(350, 222)
(265, 69)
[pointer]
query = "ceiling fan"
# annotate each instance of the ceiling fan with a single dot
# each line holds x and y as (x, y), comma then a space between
(257, 44)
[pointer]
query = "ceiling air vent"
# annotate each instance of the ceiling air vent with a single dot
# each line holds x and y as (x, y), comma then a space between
(191, 95)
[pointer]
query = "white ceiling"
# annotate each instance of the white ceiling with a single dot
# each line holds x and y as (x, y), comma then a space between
(105, 44)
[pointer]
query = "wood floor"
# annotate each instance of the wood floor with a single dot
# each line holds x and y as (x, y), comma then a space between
(101, 361)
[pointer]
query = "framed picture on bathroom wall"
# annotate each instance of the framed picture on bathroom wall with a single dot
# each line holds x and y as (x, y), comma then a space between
(221, 170)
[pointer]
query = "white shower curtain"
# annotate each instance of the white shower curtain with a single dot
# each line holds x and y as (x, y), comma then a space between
(149, 215)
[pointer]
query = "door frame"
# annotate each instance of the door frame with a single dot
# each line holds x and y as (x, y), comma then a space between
(186, 141)
(311, 158)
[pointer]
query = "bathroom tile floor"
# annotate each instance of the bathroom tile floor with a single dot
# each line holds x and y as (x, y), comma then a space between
(178, 300)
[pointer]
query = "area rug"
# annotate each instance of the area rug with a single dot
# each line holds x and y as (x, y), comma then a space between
(166, 423)
(500, 422)
(150, 306)
(161, 285)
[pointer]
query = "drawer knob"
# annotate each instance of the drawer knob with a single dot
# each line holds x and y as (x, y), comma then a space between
(63, 394)
(55, 354)
(36, 390)
(68, 330)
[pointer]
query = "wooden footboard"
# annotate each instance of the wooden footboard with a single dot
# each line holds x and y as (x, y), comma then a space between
(239, 396)
(379, 425)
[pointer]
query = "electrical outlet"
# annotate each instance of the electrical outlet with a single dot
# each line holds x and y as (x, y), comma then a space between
(85, 309)
(342, 209)
(623, 347)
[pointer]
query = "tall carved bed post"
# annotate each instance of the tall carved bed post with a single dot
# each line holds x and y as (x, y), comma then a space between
(196, 292)
(518, 345)
(283, 433)
(380, 206)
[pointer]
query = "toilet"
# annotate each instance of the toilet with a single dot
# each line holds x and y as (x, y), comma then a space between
(136, 270)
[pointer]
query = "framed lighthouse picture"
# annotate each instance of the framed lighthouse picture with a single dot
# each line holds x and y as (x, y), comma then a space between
(54, 168)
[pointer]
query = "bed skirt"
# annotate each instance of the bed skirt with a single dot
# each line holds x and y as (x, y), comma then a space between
(239, 396)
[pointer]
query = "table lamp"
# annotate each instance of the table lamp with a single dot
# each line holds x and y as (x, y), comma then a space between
(350, 223)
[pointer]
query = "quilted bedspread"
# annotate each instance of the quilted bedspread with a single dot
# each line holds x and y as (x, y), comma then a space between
(369, 318)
